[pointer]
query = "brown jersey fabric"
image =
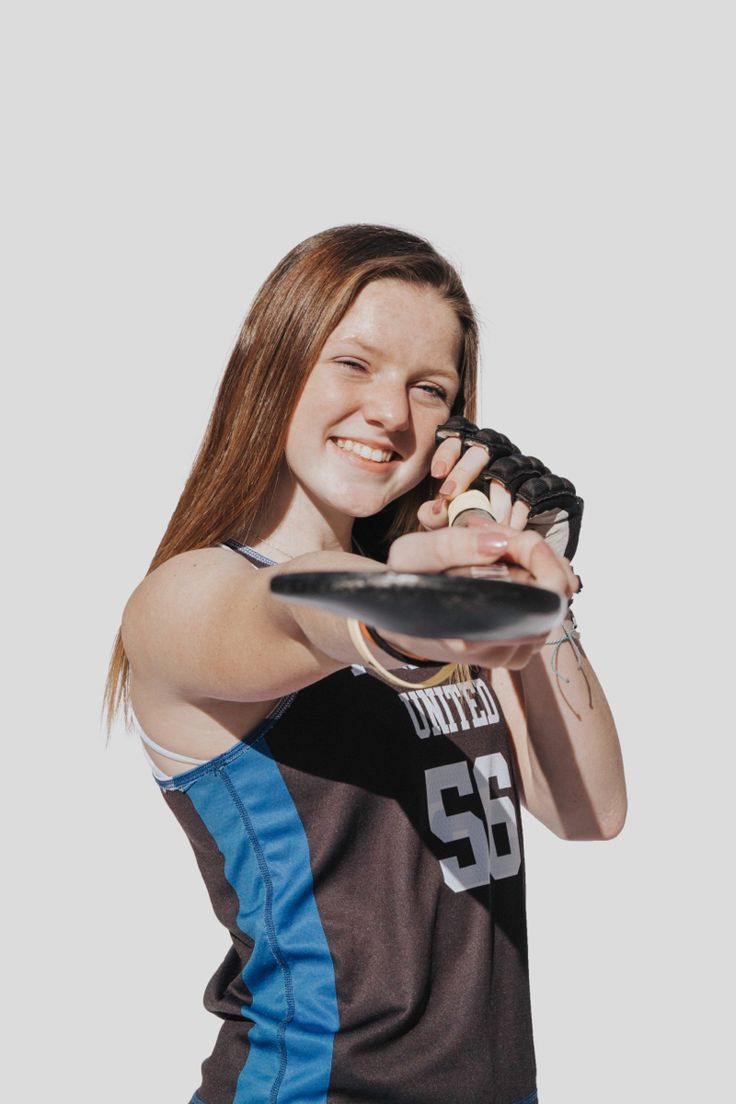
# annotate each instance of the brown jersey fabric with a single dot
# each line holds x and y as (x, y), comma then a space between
(363, 847)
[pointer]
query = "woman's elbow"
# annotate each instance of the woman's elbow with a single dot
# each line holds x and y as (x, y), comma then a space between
(615, 826)
(605, 826)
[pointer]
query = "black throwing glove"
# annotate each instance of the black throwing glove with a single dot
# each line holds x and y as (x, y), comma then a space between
(555, 510)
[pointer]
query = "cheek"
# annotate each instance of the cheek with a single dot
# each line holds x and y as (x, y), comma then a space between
(426, 423)
(309, 414)
(322, 403)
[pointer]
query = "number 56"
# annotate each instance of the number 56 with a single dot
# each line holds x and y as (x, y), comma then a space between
(487, 863)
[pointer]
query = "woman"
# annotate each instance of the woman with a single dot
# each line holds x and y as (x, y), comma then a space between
(362, 844)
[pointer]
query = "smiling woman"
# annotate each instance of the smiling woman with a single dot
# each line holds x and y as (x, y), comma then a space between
(385, 378)
(362, 846)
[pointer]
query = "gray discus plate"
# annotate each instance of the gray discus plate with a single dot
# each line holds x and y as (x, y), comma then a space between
(428, 605)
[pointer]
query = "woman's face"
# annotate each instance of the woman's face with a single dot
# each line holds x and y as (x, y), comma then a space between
(363, 431)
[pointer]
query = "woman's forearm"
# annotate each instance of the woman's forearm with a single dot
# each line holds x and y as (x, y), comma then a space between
(574, 771)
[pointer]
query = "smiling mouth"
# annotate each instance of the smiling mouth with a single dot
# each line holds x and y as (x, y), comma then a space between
(365, 452)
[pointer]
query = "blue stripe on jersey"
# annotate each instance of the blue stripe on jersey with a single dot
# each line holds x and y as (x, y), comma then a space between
(290, 973)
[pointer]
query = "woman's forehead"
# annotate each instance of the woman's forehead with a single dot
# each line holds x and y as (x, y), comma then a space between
(392, 317)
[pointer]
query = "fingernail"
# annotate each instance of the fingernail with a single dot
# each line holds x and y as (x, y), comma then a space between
(491, 542)
(448, 487)
(440, 469)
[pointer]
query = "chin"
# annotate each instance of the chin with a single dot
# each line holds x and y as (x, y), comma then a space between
(358, 502)
(367, 512)
(362, 508)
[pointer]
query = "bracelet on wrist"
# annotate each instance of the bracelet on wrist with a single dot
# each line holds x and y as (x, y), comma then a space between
(569, 637)
(358, 637)
(390, 649)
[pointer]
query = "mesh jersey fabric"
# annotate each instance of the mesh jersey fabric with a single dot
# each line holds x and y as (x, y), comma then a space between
(363, 848)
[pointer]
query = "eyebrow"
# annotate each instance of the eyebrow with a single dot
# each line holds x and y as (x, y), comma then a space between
(449, 373)
(364, 344)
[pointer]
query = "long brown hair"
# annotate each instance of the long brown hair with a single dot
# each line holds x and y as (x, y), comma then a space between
(289, 321)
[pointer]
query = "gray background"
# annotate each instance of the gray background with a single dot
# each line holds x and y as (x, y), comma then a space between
(576, 161)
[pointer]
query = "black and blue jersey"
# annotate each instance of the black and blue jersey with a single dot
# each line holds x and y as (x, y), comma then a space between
(363, 848)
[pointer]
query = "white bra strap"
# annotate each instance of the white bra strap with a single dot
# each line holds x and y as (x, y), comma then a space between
(157, 772)
(169, 754)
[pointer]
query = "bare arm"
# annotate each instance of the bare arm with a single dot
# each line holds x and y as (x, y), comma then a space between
(564, 736)
(566, 744)
(207, 626)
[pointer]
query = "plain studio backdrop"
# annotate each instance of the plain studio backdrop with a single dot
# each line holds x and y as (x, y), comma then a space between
(575, 160)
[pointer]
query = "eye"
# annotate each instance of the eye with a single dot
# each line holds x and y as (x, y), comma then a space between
(434, 390)
(352, 363)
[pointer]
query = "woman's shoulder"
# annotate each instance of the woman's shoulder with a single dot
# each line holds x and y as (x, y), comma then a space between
(190, 571)
(204, 624)
(178, 599)
(219, 558)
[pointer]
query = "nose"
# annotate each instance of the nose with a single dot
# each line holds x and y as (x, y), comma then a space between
(387, 405)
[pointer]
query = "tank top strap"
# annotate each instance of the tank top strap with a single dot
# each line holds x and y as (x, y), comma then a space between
(253, 557)
(259, 560)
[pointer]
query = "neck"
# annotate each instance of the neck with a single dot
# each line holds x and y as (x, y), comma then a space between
(292, 524)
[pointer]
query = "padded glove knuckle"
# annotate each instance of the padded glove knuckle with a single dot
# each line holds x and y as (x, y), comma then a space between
(514, 471)
(496, 444)
(555, 509)
(456, 426)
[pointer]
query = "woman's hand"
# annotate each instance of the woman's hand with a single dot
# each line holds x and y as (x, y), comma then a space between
(443, 549)
(523, 492)
(528, 557)
(458, 473)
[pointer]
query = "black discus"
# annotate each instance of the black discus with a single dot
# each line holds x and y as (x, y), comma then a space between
(428, 605)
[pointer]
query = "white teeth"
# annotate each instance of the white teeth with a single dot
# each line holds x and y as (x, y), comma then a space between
(379, 455)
